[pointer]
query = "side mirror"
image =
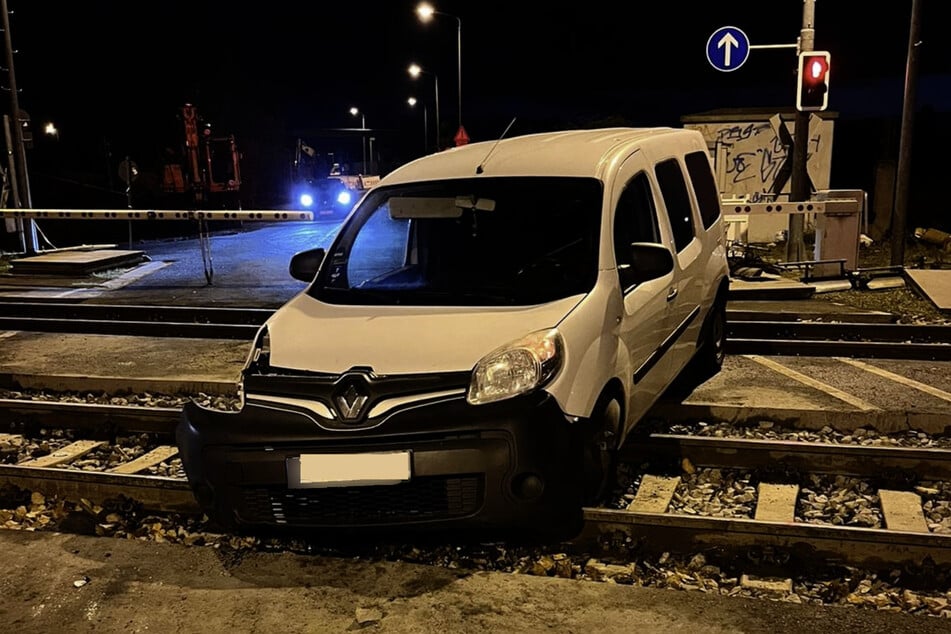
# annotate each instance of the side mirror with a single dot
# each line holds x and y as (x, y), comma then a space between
(304, 265)
(650, 261)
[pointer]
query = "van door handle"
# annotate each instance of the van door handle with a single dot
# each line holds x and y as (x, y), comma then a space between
(671, 294)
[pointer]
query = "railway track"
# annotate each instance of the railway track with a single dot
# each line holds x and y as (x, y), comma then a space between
(133, 320)
(868, 340)
(770, 537)
(98, 425)
(746, 333)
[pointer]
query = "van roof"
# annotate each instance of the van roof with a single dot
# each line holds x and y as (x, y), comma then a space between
(562, 153)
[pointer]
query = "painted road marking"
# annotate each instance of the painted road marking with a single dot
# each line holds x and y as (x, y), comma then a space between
(854, 401)
(933, 391)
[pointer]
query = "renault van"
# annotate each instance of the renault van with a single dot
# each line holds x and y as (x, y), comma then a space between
(481, 336)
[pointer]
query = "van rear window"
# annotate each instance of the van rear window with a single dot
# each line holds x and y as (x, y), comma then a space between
(679, 209)
(704, 187)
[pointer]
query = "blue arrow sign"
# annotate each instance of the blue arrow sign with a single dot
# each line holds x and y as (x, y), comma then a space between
(728, 48)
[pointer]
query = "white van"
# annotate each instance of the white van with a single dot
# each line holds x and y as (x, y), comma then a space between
(485, 330)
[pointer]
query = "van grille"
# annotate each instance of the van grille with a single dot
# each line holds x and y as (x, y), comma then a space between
(421, 499)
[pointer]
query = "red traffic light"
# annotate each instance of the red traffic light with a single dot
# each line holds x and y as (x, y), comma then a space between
(816, 67)
(813, 90)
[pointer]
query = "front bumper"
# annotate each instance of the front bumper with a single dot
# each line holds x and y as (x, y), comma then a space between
(507, 466)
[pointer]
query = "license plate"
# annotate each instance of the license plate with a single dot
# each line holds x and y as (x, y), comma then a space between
(348, 469)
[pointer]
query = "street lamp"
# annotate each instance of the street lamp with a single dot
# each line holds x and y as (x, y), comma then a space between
(363, 128)
(426, 11)
(412, 103)
(415, 71)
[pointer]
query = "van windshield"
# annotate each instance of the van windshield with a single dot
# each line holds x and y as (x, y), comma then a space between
(469, 242)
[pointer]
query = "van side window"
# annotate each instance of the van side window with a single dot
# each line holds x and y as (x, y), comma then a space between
(704, 187)
(635, 220)
(674, 190)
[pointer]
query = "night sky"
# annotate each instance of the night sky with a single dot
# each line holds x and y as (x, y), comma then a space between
(113, 75)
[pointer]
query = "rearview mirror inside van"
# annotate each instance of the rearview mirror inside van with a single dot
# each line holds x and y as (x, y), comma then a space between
(408, 207)
(429, 207)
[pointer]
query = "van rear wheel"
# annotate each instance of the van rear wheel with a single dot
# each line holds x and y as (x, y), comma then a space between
(600, 453)
(712, 350)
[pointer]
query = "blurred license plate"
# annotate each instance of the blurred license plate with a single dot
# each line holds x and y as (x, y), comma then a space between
(348, 469)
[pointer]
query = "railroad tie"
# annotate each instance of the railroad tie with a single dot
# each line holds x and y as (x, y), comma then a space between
(902, 511)
(146, 460)
(776, 502)
(66, 454)
(654, 494)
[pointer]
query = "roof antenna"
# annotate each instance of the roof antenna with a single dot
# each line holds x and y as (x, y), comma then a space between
(479, 169)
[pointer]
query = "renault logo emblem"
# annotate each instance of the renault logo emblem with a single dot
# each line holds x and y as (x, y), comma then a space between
(350, 403)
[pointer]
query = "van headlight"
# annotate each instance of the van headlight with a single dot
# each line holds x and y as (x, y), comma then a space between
(518, 367)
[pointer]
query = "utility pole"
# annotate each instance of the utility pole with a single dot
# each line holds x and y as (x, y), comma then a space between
(799, 188)
(29, 237)
(900, 213)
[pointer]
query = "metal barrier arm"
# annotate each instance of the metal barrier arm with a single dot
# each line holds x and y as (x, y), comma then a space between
(270, 215)
(829, 206)
(837, 226)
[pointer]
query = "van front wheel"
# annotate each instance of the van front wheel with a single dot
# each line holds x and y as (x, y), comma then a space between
(600, 453)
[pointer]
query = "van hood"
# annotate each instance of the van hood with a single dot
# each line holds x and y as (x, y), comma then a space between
(307, 334)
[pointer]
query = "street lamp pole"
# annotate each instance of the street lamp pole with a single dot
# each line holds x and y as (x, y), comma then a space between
(415, 71)
(363, 136)
(459, 64)
(412, 102)
(426, 11)
(436, 90)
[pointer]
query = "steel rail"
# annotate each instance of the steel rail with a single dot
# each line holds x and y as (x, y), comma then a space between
(156, 493)
(841, 348)
(767, 543)
(199, 322)
(90, 416)
(831, 331)
(135, 312)
(131, 328)
(853, 339)
(792, 456)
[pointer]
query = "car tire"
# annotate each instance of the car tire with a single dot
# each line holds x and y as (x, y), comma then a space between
(599, 461)
(712, 352)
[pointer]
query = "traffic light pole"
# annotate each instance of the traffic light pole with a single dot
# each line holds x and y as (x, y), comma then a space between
(799, 188)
